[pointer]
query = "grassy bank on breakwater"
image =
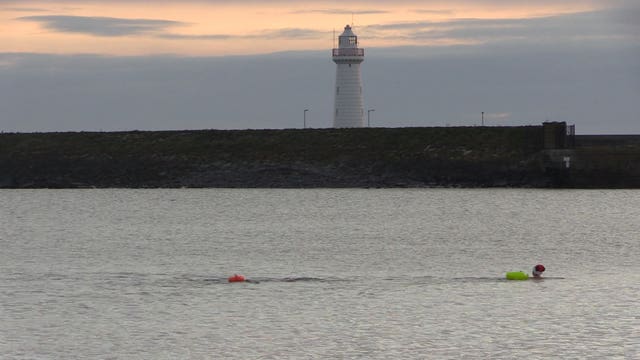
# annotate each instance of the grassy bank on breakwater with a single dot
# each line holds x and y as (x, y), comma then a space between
(295, 158)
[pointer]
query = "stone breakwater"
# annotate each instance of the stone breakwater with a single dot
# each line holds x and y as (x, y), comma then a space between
(295, 158)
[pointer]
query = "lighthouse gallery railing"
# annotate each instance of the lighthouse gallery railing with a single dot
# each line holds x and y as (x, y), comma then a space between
(348, 52)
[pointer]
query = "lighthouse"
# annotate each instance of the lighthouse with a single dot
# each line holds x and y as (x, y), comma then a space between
(349, 104)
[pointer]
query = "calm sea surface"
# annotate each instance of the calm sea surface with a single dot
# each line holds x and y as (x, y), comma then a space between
(371, 274)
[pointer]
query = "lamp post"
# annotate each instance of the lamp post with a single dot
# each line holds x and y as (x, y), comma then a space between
(369, 117)
(483, 118)
(304, 118)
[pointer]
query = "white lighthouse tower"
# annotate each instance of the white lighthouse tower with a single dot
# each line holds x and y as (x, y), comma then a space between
(349, 105)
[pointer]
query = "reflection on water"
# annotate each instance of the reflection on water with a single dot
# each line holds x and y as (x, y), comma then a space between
(335, 274)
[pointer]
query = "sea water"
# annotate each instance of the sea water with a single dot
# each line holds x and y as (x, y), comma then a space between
(349, 273)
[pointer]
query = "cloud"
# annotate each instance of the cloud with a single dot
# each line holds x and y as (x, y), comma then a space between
(596, 88)
(337, 11)
(292, 33)
(583, 26)
(433, 12)
(270, 34)
(626, 16)
(101, 26)
(174, 36)
(285, 33)
(6, 63)
(26, 9)
(107, 26)
(400, 26)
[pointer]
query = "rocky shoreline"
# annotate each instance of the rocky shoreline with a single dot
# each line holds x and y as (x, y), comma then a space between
(311, 158)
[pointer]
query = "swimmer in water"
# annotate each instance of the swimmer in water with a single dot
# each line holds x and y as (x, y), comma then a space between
(537, 271)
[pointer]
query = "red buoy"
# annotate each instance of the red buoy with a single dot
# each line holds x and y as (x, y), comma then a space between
(236, 278)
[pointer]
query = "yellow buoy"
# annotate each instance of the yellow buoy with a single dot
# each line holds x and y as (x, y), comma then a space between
(517, 275)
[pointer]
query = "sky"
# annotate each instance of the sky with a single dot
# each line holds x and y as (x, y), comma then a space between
(202, 64)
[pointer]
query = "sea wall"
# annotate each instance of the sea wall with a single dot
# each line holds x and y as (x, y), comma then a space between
(596, 161)
(295, 158)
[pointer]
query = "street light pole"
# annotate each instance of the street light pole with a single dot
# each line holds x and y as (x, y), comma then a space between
(369, 117)
(483, 118)
(304, 118)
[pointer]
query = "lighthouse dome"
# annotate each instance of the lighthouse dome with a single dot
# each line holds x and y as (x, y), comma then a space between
(348, 39)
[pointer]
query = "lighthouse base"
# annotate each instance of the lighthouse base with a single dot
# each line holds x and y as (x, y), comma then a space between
(349, 104)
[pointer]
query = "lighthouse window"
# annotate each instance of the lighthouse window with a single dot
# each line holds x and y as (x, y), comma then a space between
(353, 40)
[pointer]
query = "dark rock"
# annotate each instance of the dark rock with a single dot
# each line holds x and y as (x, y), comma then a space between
(408, 157)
